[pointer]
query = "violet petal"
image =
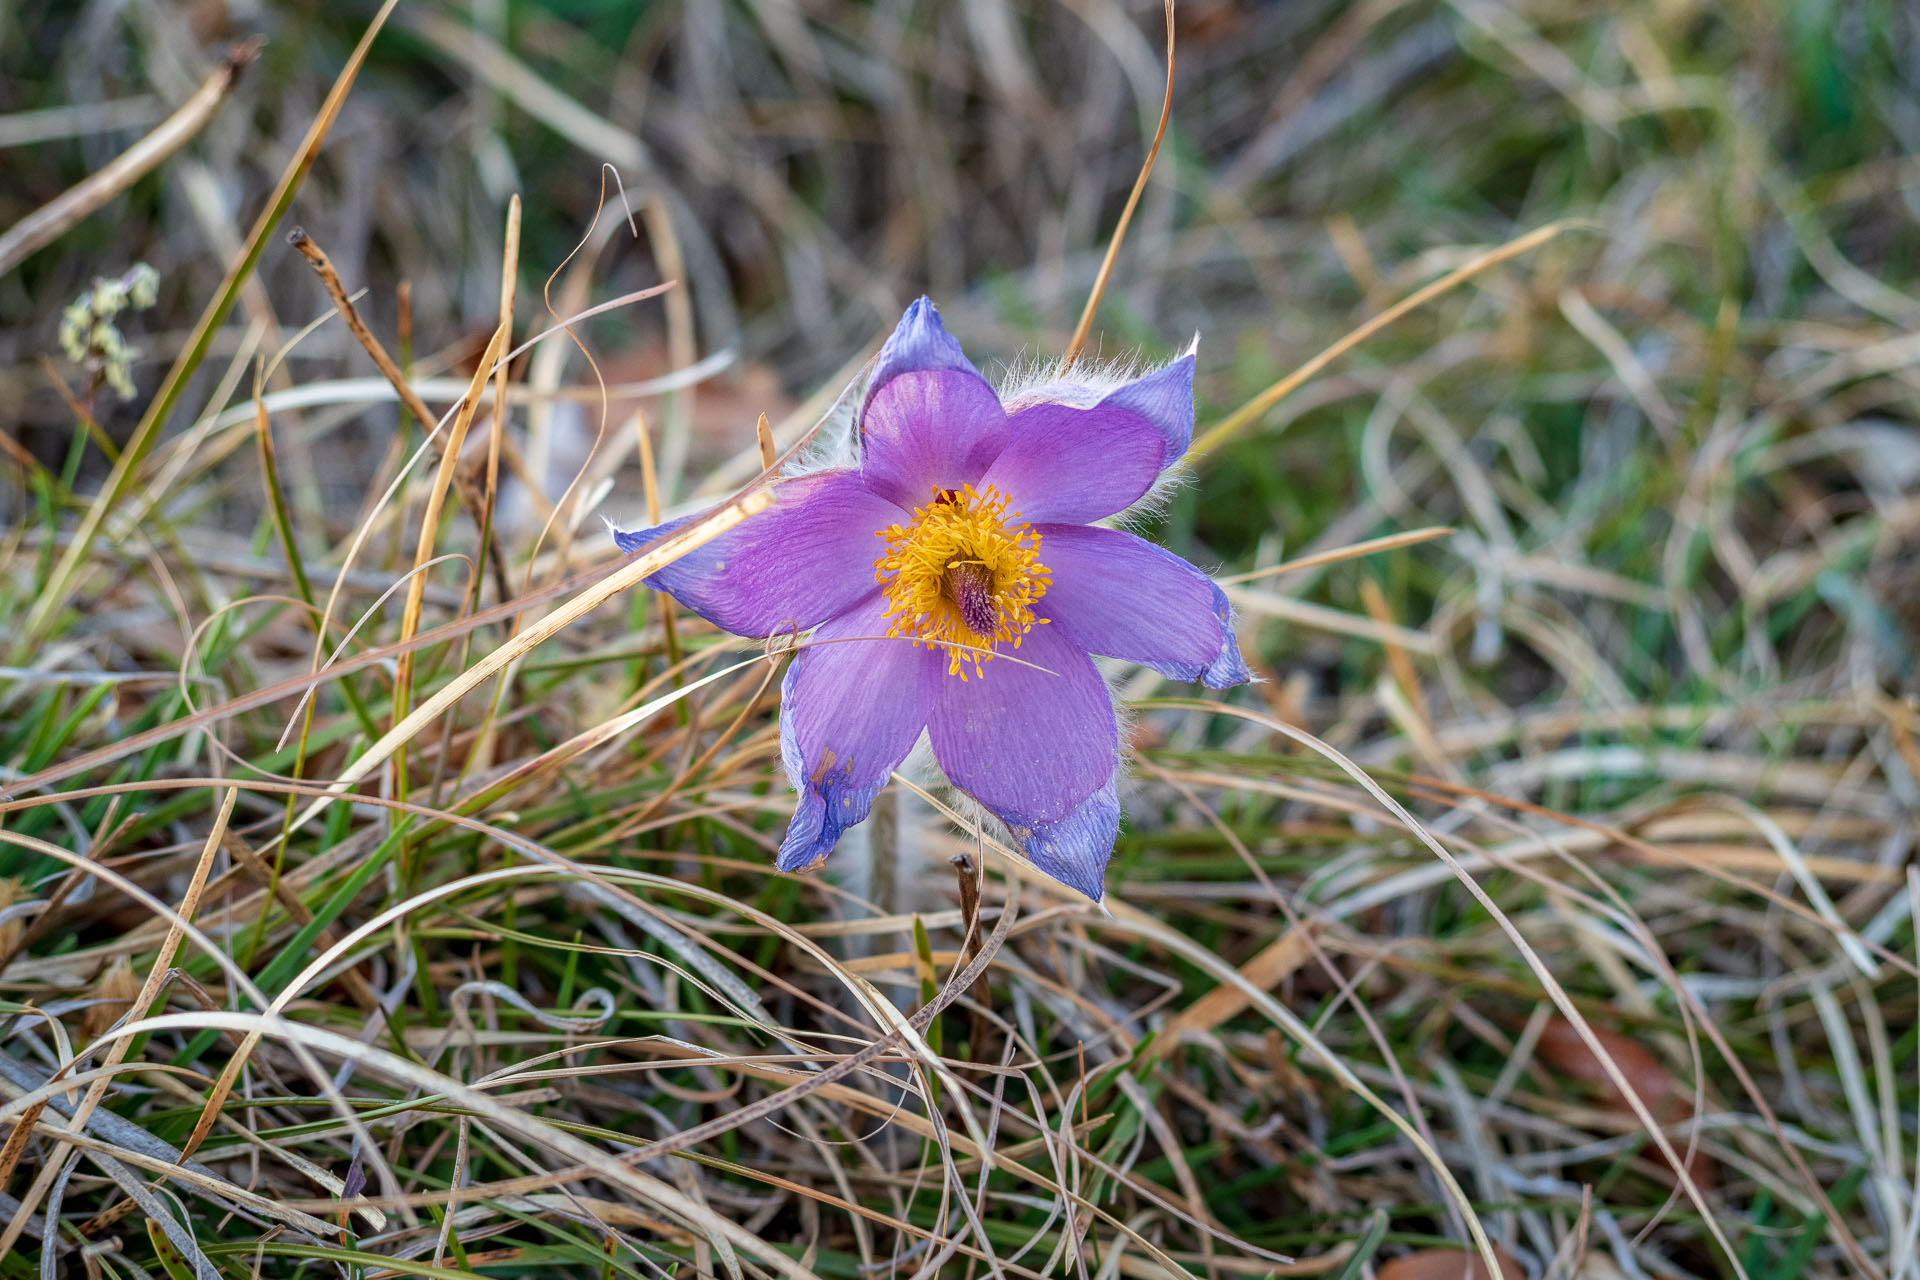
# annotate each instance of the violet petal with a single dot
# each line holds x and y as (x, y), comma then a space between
(918, 343)
(1124, 597)
(1075, 850)
(930, 420)
(850, 710)
(1038, 746)
(1079, 464)
(801, 561)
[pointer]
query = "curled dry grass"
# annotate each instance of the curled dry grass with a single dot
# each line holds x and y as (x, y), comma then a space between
(1553, 896)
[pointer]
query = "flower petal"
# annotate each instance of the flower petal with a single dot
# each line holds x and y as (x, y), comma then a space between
(849, 712)
(930, 420)
(1075, 850)
(919, 343)
(1039, 748)
(1121, 596)
(1078, 464)
(803, 560)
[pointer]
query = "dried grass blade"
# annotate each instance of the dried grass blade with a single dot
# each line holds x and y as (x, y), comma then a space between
(51, 220)
(1252, 409)
(77, 1122)
(482, 753)
(1081, 330)
(1372, 546)
(618, 1171)
(1274, 963)
(1551, 985)
(627, 576)
(430, 527)
(12, 793)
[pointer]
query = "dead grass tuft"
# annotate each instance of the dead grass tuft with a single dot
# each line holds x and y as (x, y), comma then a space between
(386, 878)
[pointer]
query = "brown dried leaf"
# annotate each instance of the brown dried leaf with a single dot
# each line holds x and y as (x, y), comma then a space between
(1562, 1049)
(1666, 1100)
(1265, 971)
(1449, 1264)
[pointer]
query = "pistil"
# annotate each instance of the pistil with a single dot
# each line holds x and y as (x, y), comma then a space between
(970, 586)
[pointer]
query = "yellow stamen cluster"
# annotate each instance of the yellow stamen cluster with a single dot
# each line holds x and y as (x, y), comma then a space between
(962, 575)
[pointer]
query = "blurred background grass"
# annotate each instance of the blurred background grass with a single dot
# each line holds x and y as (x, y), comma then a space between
(1674, 627)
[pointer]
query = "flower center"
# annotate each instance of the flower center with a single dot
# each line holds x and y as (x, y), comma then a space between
(962, 575)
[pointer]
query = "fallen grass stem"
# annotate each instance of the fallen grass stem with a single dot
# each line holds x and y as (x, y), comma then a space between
(47, 223)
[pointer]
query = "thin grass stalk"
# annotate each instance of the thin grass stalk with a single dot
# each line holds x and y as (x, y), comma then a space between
(1092, 307)
(650, 494)
(1372, 546)
(482, 752)
(1230, 425)
(51, 220)
(470, 497)
(277, 507)
(423, 552)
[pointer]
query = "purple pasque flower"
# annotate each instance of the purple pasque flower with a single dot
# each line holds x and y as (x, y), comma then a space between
(959, 586)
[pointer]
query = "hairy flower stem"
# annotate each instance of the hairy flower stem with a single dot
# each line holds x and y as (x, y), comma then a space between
(888, 859)
(967, 872)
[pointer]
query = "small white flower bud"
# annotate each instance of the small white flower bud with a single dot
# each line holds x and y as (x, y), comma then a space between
(143, 285)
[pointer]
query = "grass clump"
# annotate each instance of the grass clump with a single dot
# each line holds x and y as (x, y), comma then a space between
(384, 877)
